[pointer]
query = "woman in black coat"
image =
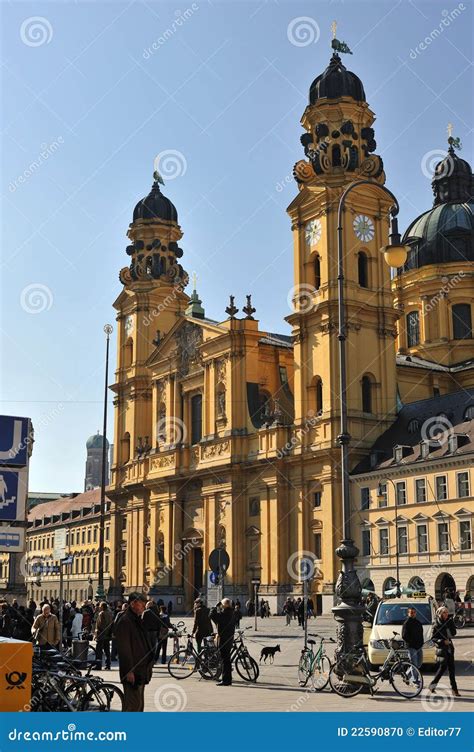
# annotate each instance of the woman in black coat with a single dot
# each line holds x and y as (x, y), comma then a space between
(443, 632)
(202, 624)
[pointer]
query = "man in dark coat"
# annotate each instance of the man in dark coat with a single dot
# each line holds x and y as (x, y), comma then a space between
(202, 624)
(442, 636)
(136, 653)
(412, 634)
(225, 621)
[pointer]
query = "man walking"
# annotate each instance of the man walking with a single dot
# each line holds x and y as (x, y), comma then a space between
(412, 634)
(103, 635)
(225, 621)
(442, 635)
(135, 652)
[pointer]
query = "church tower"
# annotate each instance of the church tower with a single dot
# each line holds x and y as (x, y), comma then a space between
(152, 299)
(340, 146)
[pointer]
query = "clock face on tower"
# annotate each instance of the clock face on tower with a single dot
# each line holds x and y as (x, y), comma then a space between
(128, 325)
(363, 228)
(313, 232)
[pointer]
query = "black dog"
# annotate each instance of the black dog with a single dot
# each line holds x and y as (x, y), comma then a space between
(269, 653)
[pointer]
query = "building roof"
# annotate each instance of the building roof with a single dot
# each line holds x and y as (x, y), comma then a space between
(68, 504)
(155, 206)
(413, 361)
(277, 340)
(432, 421)
(335, 82)
(96, 441)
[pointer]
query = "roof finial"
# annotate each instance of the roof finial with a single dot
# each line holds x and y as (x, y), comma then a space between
(454, 143)
(336, 44)
(231, 308)
(156, 171)
(248, 309)
(194, 276)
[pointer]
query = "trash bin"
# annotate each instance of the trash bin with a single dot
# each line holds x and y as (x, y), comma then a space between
(79, 650)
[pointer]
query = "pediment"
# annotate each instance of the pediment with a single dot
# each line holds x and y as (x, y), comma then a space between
(181, 345)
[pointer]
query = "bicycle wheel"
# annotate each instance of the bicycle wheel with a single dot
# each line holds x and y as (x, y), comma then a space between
(104, 698)
(304, 667)
(320, 675)
(182, 664)
(210, 665)
(341, 687)
(246, 667)
(406, 679)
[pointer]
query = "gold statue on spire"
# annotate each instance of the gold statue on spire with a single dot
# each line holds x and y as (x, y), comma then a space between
(195, 277)
(334, 29)
(454, 143)
(450, 129)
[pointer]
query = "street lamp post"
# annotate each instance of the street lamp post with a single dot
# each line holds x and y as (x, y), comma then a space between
(100, 592)
(348, 612)
(397, 552)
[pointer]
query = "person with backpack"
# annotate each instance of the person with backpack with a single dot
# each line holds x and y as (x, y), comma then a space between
(442, 635)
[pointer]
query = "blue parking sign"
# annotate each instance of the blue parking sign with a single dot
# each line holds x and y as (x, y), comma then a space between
(15, 437)
(13, 484)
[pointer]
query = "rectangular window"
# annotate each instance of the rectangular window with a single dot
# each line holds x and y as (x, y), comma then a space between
(124, 557)
(364, 498)
(420, 489)
(107, 533)
(441, 488)
(83, 536)
(317, 545)
(95, 534)
(124, 522)
(422, 538)
(382, 495)
(465, 535)
(89, 535)
(254, 506)
(106, 563)
(402, 537)
(317, 499)
(196, 418)
(401, 492)
(443, 536)
(413, 328)
(365, 542)
(383, 539)
(463, 484)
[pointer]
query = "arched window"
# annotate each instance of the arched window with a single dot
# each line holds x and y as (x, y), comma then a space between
(265, 406)
(318, 393)
(128, 353)
(413, 328)
(362, 269)
(336, 155)
(125, 448)
(469, 412)
(462, 323)
(317, 272)
(366, 394)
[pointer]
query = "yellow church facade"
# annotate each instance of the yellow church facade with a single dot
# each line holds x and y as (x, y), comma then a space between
(226, 435)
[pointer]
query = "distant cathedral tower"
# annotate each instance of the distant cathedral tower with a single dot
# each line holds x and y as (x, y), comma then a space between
(93, 475)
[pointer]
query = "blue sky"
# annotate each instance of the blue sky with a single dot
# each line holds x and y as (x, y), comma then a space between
(93, 91)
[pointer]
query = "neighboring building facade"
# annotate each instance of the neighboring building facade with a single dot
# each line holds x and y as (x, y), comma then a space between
(79, 515)
(93, 476)
(227, 435)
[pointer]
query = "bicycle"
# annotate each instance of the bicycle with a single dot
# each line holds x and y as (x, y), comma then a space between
(246, 666)
(185, 661)
(314, 665)
(351, 672)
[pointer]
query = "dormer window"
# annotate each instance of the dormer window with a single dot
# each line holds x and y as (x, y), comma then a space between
(469, 412)
(414, 425)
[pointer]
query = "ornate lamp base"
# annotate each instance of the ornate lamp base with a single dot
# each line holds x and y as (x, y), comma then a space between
(348, 613)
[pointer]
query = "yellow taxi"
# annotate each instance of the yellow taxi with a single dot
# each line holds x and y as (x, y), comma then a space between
(389, 618)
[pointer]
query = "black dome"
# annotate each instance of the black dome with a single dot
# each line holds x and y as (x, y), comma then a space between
(155, 206)
(445, 234)
(335, 82)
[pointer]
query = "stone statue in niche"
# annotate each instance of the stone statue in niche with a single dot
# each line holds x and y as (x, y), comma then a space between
(221, 403)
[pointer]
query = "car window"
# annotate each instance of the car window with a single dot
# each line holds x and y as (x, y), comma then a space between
(396, 613)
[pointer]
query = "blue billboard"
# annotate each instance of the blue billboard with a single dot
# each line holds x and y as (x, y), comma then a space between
(15, 438)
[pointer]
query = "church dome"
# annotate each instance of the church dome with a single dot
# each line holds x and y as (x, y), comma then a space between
(445, 234)
(96, 442)
(335, 82)
(155, 206)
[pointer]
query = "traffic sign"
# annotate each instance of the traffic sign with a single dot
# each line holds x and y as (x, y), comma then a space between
(256, 581)
(12, 539)
(13, 484)
(59, 550)
(214, 578)
(15, 436)
(219, 560)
